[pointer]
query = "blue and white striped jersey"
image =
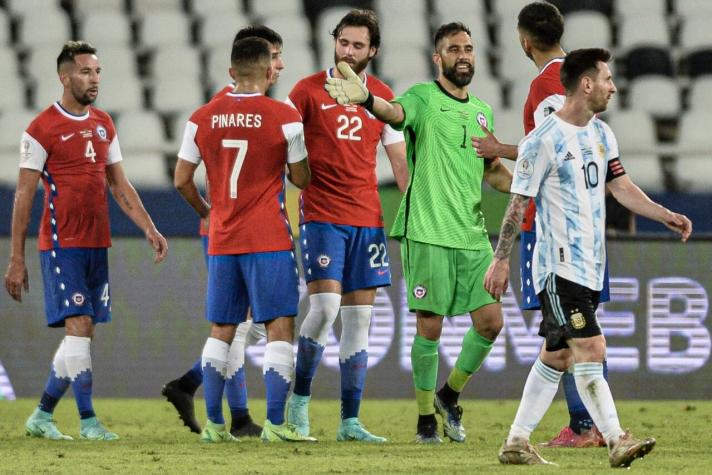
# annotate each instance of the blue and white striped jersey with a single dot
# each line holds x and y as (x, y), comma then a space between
(564, 168)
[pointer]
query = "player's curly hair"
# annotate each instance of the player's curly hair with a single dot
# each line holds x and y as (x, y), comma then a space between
(579, 63)
(70, 49)
(543, 23)
(358, 17)
(450, 29)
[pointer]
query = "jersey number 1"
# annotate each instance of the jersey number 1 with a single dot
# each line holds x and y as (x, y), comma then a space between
(241, 146)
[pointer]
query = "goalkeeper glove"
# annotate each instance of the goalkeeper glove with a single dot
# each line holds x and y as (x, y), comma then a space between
(350, 90)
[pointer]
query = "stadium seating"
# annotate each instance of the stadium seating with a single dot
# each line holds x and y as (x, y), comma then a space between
(695, 146)
(586, 29)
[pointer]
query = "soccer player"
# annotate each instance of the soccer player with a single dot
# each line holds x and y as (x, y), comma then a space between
(444, 243)
(74, 148)
(245, 140)
(180, 391)
(540, 27)
(566, 164)
(342, 239)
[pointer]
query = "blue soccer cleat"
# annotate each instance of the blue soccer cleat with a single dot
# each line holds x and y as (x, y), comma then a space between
(41, 424)
(352, 430)
(298, 413)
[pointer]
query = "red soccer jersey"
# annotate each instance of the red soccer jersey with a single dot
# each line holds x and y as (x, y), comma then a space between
(245, 141)
(342, 143)
(546, 95)
(72, 152)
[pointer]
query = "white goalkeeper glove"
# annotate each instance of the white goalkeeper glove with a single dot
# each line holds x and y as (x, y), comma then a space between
(350, 90)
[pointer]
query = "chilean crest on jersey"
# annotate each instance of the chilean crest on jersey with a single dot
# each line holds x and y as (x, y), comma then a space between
(101, 132)
(482, 120)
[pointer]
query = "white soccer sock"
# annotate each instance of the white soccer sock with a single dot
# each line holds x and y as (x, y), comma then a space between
(355, 323)
(596, 396)
(539, 390)
(279, 356)
(323, 309)
(215, 352)
(77, 355)
(236, 353)
(59, 364)
(256, 333)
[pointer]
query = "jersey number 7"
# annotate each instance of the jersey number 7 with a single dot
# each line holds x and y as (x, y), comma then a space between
(241, 146)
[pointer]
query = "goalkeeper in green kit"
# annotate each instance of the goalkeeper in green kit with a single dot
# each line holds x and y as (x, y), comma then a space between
(444, 244)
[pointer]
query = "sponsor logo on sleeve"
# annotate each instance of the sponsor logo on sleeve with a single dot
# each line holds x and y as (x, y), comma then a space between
(25, 150)
(525, 169)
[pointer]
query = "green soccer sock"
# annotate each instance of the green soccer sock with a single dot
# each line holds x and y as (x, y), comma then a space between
(475, 349)
(424, 359)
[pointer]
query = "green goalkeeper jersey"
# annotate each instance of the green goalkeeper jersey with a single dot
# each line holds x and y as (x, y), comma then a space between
(442, 205)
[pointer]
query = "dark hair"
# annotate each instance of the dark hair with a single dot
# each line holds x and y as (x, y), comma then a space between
(543, 23)
(449, 29)
(579, 63)
(260, 31)
(72, 49)
(365, 18)
(247, 52)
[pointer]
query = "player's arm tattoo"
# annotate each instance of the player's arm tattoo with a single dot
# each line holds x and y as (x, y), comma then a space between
(126, 201)
(510, 226)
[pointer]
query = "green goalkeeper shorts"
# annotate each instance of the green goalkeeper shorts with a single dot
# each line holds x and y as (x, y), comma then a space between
(443, 280)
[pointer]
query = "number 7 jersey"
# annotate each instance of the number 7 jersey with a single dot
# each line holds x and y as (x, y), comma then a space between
(245, 141)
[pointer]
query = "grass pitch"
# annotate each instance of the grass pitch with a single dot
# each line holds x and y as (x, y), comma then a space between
(153, 440)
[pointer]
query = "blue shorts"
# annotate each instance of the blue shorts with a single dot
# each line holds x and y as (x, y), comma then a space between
(355, 256)
(268, 282)
(76, 282)
(530, 301)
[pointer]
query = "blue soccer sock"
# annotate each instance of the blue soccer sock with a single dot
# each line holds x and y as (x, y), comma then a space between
(193, 378)
(215, 353)
(277, 369)
(235, 387)
(77, 355)
(579, 418)
(313, 334)
(353, 356)
(57, 382)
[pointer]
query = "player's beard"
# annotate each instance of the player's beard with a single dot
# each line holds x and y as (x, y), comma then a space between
(357, 66)
(83, 97)
(460, 79)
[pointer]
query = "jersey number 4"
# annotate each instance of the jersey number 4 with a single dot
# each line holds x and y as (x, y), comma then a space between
(89, 151)
(241, 146)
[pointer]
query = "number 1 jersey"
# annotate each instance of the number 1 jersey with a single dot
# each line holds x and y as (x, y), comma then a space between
(245, 141)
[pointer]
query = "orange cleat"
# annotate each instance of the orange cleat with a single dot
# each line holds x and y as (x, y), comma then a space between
(567, 438)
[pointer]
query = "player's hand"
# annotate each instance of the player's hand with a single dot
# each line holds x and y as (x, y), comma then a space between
(497, 278)
(16, 279)
(350, 90)
(158, 243)
(679, 223)
(487, 146)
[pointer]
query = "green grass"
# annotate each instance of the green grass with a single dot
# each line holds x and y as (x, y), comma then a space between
(153, 440)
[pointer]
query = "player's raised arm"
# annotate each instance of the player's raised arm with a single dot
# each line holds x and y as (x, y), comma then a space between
(16, 277)
(633, 198)
(125, 195)
(353, 91)
(489, 147)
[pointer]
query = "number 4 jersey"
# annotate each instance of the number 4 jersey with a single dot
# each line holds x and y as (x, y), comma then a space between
(245, 141)
(342, 141)
(72, 153)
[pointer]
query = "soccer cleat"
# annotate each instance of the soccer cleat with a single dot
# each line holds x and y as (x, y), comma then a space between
(627, 449)
(245, 427)
(351, 429)
(41, 424)
(216, 433)
(520, 452)
(285, 432)
(428, 434)
(567, 438)
(298, 413)
(183, 402)
(92, 429)
(452, 419)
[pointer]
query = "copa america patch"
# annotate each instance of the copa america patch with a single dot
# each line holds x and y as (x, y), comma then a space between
(101, 132)
(419, 291)
(525, 169)
(323, 261)
(77, 299)
(482, 120)
(25, 150)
